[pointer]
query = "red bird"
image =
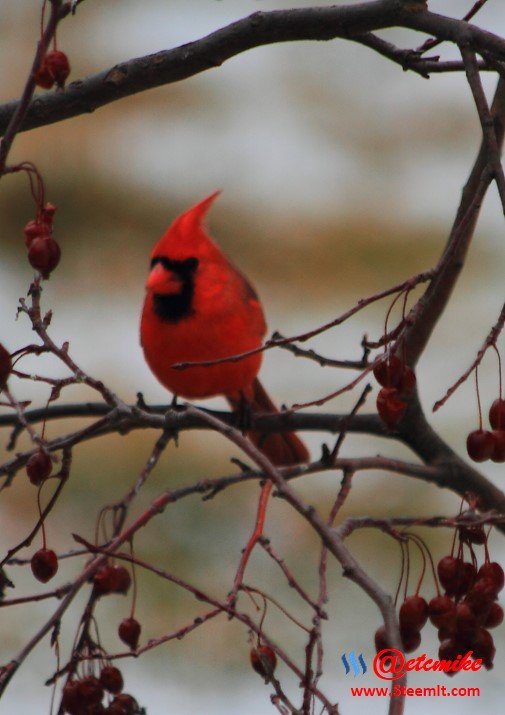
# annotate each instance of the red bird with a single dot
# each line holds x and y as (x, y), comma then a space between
(199, 307)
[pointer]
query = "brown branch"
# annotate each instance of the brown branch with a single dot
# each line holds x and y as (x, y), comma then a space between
(488, 342)
(348, 22)
(428, 310)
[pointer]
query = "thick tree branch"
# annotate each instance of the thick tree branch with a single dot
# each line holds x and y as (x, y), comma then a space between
(351, 22)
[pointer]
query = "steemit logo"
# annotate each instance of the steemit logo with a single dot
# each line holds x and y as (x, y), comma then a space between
(358, 664)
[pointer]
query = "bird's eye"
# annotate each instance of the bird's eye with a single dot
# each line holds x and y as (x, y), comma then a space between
(191, 263)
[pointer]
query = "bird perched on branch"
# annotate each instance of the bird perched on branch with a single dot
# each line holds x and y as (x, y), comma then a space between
(200, 308)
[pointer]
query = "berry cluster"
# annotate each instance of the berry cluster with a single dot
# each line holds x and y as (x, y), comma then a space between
(116, 579)
(466, 610)
(43, 251)
(54, 70)
(84, 696)
(111, 579)
(484, 444)
(397, 380)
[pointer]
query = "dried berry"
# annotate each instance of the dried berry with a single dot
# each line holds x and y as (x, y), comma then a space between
(43, 77)
(44, 563)
(390, 407)
(39, 467)
(124, 704)
(70, 698)
(111, 579)
(111, 679)
(58, 66)
(388, 372)
(44, 254)
(129, 632)
(264, 661)
(90, 691)
(381, 639)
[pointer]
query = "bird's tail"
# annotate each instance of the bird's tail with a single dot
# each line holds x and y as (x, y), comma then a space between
(281, 448)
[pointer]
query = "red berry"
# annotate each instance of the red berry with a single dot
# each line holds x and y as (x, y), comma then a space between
(34, 229)
(264, 661)
(411, 640)
(70, 698)
(47, 214)
(390, 407)
(90, 691)
(44, 254)
(111, 679)
(482, 593)
(111, 579)
(494, 571)
(495, 616)
(450, 571)
(43, 78)
(467, 578)
(44, 564)
(483, 647)
(466, 621)
(441, 611)
(5, 366)
(103, 580)
(39, 467)
(124, 704)
(497, 414)
(388, 371)
(479, 445)
(58, 66)
(408, 380)
(129, 632)
(121, 579)
(449, 650)
(498, 453)
(381, 639)
(413, 614)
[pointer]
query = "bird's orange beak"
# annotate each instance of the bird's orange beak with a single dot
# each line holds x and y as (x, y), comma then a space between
(162, 280)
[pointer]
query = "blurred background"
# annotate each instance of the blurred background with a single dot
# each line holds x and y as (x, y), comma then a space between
(341, 175)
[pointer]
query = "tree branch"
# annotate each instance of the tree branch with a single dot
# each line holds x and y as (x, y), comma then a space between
(350, 22)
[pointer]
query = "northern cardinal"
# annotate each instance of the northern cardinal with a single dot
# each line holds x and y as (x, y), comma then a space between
(199, 307)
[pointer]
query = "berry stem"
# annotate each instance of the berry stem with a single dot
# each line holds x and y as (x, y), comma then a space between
(134, 579)
(422, 547)
(500, 384)
(42, 526)
(478, 396)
